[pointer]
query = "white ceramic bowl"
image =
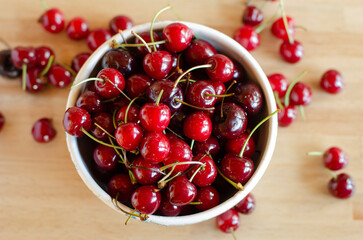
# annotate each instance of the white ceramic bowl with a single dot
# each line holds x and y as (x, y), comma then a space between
(267, 139)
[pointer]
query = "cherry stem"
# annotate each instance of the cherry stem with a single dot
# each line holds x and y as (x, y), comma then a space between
(219, 96)
(118, 153)
(24, 76)
(284, 18)
(122, 35)
(159, 97)
(291, 86)
(189, 70)
(99, 141)
(201, 167)
(111, 99)
(45, 7)
(142, 216)
(268, 22)
(114, 44)
(97, 125)
(166, 176)
(128, 108)
(152, 24)
(238, 186)
(175, 133)
(315, 153)
(177, 15)
(302, 112)
(192, 144)
(192, 106)
(331, 173)
(301, 27)
(254, 129)
(87, 80)
(229, 87)
(190, 80)
(114, 118)
(108, 80)
(142, 40)
(132, 177)
(233, 235)
(151, 169)
(68, 68)
(195, 203)
(276, 94)
(46, 69)
(179, 163)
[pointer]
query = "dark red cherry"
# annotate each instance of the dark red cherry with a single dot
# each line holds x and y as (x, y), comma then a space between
(146, 199)
(222, 68)
(178, 37)
(146, 172)
(120, 184)
(77, 28)
(335, 159)
(237, 169)
(157, 64)
(211, 146)
(205, 176)
(247, 205)
(239, 74)
(166, 208)
(132, 115)
(332, 81)
(252, 16)
(197, 126)
(278, 84)
(112, 83)
(220, 89)
(232, 124)
(179, 152)
(180, 191)
(235, 145)
(129, 136)
(154, 117)
(52, 20)
(105, 121)
(137, 84)
(7, 68)
(59, 77)
(248, 95)
(197, 94)
(286, 115)
(208, 196)
(199, 52)
(229, 221)
(2, 121)
(90, 101)
(105, 157)
(292, 52)
(120, 60)
(154, 147)
(97, 37)
(75, 119)
(20, 55)
(278, 28)
(247, 37)
(33, 81)
(342, 186)
(42, 55)
(43, 130)
(300, 94)
(79, 60)
(142, 50)
(120, 22)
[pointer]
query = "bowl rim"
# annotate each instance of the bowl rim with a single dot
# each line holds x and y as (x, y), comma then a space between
(257, 73)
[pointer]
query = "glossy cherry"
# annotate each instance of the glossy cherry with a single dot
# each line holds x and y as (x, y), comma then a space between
(248, 95)
(332, 81)
(206, 175)
(120, 22)
(335, 159)
(77, 28)
(237, 169)
(157, 64)
(252, 16)
(129, 136)
(33, 81)
(291, 52)
(90, 101)
(180, 191)
(132, 115)
(43, 130)
(79, 60)
(166, 208)
(198, 52)
(7, 68)
(278, 28)
(179, 152)
(235, 145)
(2, 121)
(228, 221)
(52, 20)
(146, 199)
(220, 89)
(286, 115)
(120, 60)
(222, 68)
(59, 76)
(21, 55)
(247, 205)
(146, 172)
(75, 119)
(197, 126)
(300, 94)
(142, 50)
(105, 157)
(105, 121)
(247, 37)
(154, 117)
(341, 186)
(208, 197)
(112, 83)
(178, 37)
(211, 146)
(278, 84)
(97, 37)
(120, 185)
(239, 73)
(43, 54)
(154, 147)
(137, 84)
(198, 94)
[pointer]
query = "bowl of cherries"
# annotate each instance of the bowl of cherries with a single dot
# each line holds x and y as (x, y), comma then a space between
(171, 122)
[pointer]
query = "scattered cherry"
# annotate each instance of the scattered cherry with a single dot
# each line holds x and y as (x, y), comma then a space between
(43, 130)
(97, 37)
(77, 28)
(79, 60)
(43, 54)
(341, 186)
(332, 81)
(291, 52)
(278, 84)
(59, 76)
(300, 94)
(247, 205)
(120, 22)
(247, 37)
(23, 55)
(286, 116)
(33, 81)
(278, 28)
(7, 68)
(229, 221)
(52, 20)
(252, 16)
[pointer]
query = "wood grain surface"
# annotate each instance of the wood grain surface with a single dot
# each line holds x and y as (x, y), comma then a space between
(42, 197)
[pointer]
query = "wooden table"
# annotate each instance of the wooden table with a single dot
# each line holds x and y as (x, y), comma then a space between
(42, 197)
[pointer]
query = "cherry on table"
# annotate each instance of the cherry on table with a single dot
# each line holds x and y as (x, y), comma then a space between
(222, 68)
(79, 60)
(97, 37)
(23, 55)
(120, 185)
(208, 197)
(333, 158)
(104, 120)
(157, 64)
(198, 52)
(247, 37)
(129, 136)
(341, 186)
(120, 59)
(211, 146)
(235, 145)
(7, 68)
(113, 82)
(300, 94)
(179, 152)
(228, 221)
(178, 37)
(291, 52)
(34, 82)
(90, 101)
(206, 175)
(59, 76)
(43, 130)
(154, 147)
(105, 157)
(197, 126)
(145, 172)
(252, 16)
(77, 28)
(75, 119)
(2, 121)
(246, 205)
(137, 84)
(120, 22)
(181, 191)
(146, 199)
(278, 83)
(332, 81)
(237, 169)
(248, 95)
(278, 28)
(43, 54)
(52, 20)
(287, 115)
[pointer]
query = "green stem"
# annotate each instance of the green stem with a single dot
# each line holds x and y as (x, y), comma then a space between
(268, 22)
(117, 45)
(24, 76)
(192, 144)
(114, 118)
(87, 80)
(229, 87)
(68, 68)
(192, 106)
(108, 80)
(142, 217)
(99, 141)
(284, 18)
(128, 108)
(315, 153)
(46, 69)
(302, 112)
(179, 163)
(118, 153)
(277, 98)
(195, 203)
(291, 86)
(219, 96)
(152, 24)
(97, 125)
(190, 80)
(331, 173)
(238, 186)
(45, 7)
(189, 70)
(175, 133)
(196, 171)
(159, 97)
(143, 41)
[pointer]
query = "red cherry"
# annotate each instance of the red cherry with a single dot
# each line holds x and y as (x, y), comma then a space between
(105, 121)
(154, 147)
(204, 177)
(332, 81)
(220, 89)
(129, 136)
(157, 64)
(278, 84)
(137, 84)
(154, 117)
(178, 37)
(198, 52)
(179, 152)
(21, 55)
(342, 186)
(247, 205)
(105, 157)
(132, 115)
(7, 69)
(142, 50)
(180, 191)
(79, 60)
(121, 60)
(211, 146)
(90, 101)
(75, 119)
(197, 126)
(292, 52)
(168, 209)
(335, 159)
(112, 83)
(235, 145)
(252, 16)
(146, 199)
(33, 82)
(2, 121)
(52, 20)
(146, 172)
(43, 130)
(237, 169)
(208, 196)
(222, 68)
(286, 115)
(42, 55)
(197, 94)
(278, 28)
(300, 94)
(248, 95)
(59, 77)
(120, 184)
(229, 221)
(97, 37)
(77, 28)
(120, 22)
(247, 37)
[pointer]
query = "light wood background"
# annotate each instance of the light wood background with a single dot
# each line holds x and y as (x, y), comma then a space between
(42, 197)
